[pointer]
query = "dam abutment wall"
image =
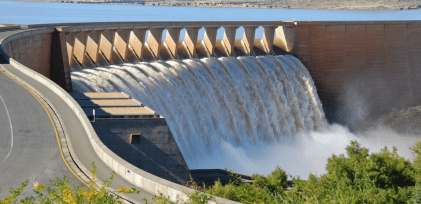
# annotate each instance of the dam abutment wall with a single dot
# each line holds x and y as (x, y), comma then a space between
(41, 50)
(362, 68)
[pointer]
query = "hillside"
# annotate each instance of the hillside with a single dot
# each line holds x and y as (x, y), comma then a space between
(291, 4)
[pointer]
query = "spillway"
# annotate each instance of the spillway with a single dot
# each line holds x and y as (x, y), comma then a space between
(244, 101)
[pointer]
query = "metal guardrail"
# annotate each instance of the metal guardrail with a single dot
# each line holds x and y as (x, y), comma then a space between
(8, 27)
(90, 26)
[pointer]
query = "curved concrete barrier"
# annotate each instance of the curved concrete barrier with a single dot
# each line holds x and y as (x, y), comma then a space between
(131, 173)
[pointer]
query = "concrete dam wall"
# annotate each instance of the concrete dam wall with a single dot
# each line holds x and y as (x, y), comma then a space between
(370, 66)
(362, 67)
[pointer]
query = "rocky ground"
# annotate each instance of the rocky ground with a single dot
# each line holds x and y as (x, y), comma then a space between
(290, 4)
(404, 121)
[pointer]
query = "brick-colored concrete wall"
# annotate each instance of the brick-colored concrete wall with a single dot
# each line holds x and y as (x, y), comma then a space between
(362, 68)
(33, 51)
(157, 153)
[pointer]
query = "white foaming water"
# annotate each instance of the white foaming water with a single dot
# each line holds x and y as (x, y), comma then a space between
(248, 114)
(306, 153)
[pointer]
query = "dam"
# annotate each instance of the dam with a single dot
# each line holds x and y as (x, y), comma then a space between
(337, 54)
(360, 69)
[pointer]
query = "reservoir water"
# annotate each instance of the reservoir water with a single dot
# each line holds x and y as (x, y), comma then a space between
(14, 12)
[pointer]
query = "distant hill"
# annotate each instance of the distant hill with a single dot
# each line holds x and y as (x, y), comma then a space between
(292, 4)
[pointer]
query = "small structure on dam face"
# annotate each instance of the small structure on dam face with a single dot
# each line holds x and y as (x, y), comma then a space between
(135, 133)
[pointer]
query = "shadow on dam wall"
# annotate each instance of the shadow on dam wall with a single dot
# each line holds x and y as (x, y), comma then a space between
(360, 68)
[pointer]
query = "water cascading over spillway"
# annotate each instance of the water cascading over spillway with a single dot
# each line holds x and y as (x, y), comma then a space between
(244, 101)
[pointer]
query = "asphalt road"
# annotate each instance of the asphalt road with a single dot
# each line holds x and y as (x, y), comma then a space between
(28, 144)
(39, 156)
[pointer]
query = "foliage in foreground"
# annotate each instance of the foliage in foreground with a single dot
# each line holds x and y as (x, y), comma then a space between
(359, 177)
(196, 197)
(382, 177)
(63, 193)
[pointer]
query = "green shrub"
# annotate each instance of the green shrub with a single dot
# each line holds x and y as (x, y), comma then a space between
(381, 177)
(196, 197)
(263, 190)
(358, 177)
(63, 193)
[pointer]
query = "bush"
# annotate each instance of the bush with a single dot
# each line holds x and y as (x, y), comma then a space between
(63, 193)
(381, 177)
(263, 190)
(197, 197)
(359, 177)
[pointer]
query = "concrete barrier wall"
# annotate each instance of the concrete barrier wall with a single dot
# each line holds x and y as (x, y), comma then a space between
(362, 68)
(131, 173)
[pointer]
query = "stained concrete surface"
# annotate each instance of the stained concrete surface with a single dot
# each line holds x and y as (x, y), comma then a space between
(157, 151)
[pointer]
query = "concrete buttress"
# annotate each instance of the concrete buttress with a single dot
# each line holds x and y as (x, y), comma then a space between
(229, 39)
(106, 44)
(70, 41)
(92, 45)
(121, 42)
(285, 37)
(210, 39)
(79, 48)
(69, 38)
(137, 40)
(248, 38)
(191, 39)
(267, 39)
(154, 41)
(171, 40)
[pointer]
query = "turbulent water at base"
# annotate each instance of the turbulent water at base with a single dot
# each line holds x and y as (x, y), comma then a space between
(244, 102)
